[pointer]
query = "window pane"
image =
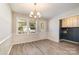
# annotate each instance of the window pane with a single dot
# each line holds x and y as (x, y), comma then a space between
(21, 25)
(32, 25)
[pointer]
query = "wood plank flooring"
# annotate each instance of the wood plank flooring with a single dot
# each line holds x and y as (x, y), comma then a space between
(45, 47)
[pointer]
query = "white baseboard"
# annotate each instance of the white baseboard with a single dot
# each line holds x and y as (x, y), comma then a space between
(10, 49)
(5, 39)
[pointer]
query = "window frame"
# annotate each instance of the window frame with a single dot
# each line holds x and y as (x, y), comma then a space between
(17, 18)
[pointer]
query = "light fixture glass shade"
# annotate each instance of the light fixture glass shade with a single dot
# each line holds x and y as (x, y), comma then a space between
(31, 12)
(35, 16)
(38, 14)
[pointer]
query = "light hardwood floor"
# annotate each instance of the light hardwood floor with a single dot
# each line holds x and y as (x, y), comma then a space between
(45, 47)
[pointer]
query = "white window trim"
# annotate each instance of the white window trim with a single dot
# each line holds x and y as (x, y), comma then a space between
(17, 18)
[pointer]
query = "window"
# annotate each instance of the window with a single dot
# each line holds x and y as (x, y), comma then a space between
(21, 25)
(32, 25)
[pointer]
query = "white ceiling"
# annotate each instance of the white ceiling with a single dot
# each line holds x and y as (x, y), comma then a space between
(47, 10)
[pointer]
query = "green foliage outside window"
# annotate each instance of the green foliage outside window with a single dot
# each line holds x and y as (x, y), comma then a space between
(32, 25)
(21, 24)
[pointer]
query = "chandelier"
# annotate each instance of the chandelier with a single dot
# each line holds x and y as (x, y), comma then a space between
(35, 13)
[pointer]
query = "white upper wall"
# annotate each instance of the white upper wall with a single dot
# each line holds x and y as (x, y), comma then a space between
(54, 23)
(5, 21)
